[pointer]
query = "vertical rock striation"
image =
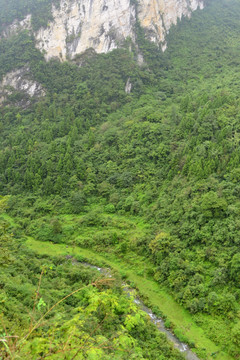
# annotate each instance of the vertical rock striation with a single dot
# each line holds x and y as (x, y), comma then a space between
(157, 16)
(103, 25)
(79, 25)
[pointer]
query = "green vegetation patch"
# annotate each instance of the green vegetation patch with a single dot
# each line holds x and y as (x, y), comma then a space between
(149, 178)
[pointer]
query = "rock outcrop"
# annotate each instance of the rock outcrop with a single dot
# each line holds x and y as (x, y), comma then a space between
(103, 25)
(79, 25)
(20, 81)
(157, 16)
(17, 26)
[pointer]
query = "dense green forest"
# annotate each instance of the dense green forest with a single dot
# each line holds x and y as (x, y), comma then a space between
(151, 177)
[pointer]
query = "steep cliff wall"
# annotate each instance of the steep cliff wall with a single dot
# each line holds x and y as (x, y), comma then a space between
(103, 25)
(79, 25)
(157, 16)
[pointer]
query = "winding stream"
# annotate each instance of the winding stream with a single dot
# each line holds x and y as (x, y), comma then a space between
(183, 348)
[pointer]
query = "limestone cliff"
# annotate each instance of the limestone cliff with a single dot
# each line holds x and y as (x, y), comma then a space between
(79, 25)
(104, 24)
(157, 16)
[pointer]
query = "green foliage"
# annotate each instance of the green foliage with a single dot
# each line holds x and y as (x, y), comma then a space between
(16, 52)
(236, 333)
(83, 317)
(235, 268)
(78, 201)
(88, 155)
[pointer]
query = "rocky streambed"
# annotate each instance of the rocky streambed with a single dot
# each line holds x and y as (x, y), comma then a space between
(159, 322)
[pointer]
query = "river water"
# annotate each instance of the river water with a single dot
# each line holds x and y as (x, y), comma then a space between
(183, 348)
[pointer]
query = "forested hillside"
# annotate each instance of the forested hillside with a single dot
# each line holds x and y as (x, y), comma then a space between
(148, 179)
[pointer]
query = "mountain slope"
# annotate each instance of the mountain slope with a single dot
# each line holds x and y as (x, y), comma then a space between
(167, 153)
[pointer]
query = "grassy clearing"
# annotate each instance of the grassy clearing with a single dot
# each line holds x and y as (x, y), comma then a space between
(181, 319)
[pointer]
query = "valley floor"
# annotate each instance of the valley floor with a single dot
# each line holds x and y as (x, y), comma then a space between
(158, 298)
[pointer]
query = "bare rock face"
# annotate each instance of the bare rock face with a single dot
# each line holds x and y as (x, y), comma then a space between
(157, 16)
(103, 25)
(128, 86)
(20, 80)
(79, 25)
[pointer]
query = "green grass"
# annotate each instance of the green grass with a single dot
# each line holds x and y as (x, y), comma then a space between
(180, 318)
(8, 219)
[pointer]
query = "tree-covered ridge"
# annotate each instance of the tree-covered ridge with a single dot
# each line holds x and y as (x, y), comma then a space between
(168, 154)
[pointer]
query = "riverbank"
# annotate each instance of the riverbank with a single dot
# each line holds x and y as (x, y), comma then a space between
(180, 319)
